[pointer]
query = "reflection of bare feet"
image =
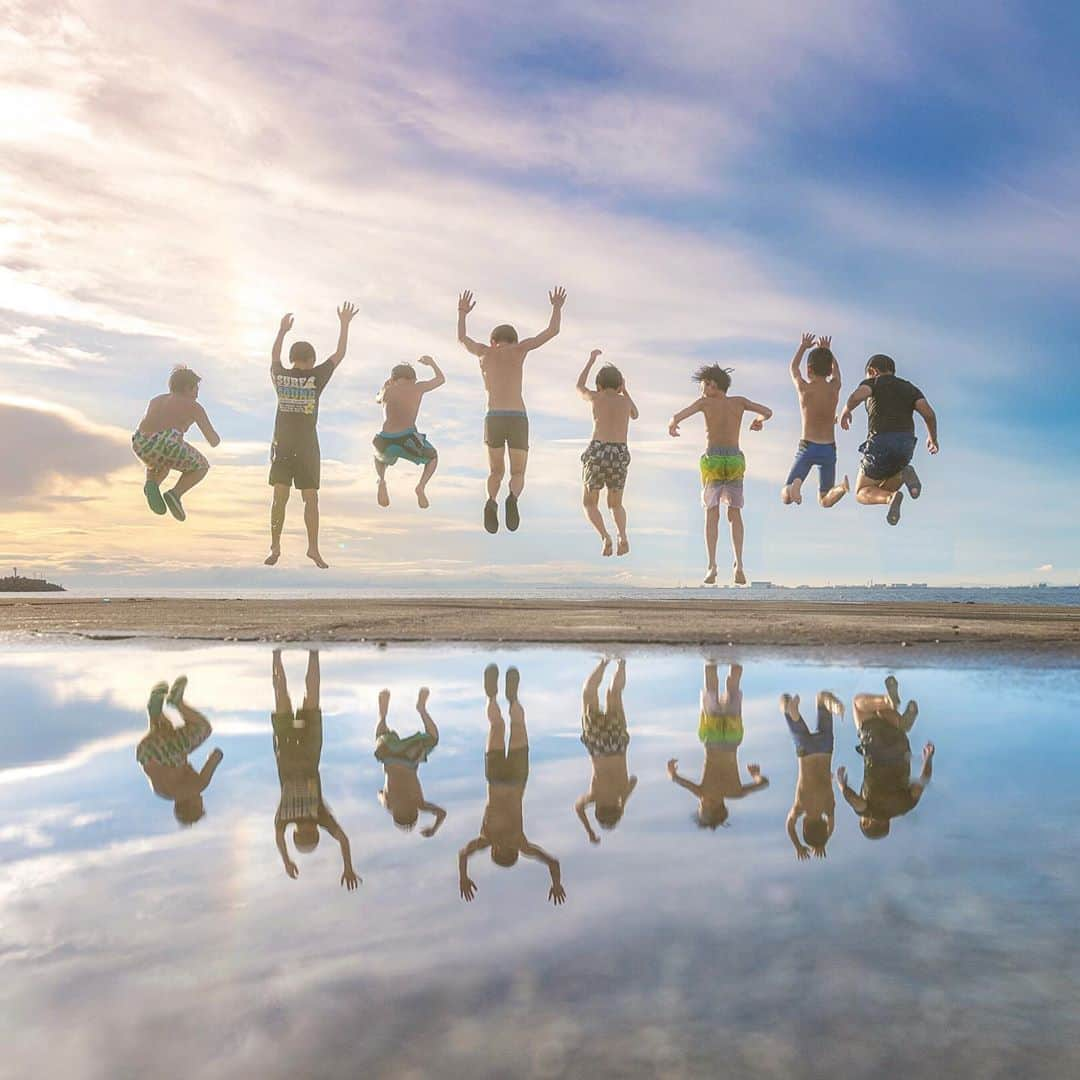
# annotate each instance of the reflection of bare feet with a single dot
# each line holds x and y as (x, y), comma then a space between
(491, 680)
(710, 577)
(607, 549)
(513, 681)
(740, 576)
(892, 688)
(272, 558)
(382, 496)
(317, 559)
(422, 499)
(831, 702)
(624, 546)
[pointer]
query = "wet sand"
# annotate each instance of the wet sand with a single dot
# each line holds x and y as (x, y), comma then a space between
(706, 621)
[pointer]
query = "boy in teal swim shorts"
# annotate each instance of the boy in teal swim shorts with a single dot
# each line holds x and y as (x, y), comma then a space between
(400, 397)
(401, 759)
(160, 445)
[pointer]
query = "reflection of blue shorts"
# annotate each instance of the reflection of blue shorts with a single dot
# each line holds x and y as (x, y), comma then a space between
(408, 444)
(816, 742)
(809, 454)
(886, 454)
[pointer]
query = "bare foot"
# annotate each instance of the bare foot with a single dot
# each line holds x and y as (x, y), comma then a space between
(740, 577)
(710, 577)
(789, 496)
(785, 495)
(623, 547)
(317, 559)
(422, 499)
(272, 558)
(381, 494)
(608, 548)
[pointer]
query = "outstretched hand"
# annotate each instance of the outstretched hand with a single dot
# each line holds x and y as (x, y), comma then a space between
(557, 895)
(825, 341)
(468, 889)
(807, 341)
(426, 361)
(593, 355)
(673, 430)
(801, 853)
(286, 322)
(672, 768)
(349, 879)
(931, 445)
(928, 751)
(845, 419)
(841, 776)
(347, 312)
(292, 869)
(466, 302)
(557, 296)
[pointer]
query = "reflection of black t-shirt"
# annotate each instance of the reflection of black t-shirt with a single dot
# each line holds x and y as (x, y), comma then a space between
(891, 405)
(298, 400)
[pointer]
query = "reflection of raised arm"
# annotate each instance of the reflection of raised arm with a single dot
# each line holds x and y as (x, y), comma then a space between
(557, 894)
(854, 800)
(579, 809)
(673, 773)
(346, 313)
(806, 343)
(465, 304)
(922, 407)
(279, 838)
(466, 885)
(858, 396)
(800, 851)
(206, 773)
(430, 384)
(582, 388)
(440, 817)
(283, 329)
(927, 771)
(329, 823)
(683, 414)
(203, 421)
(557, 296)
(757, 781)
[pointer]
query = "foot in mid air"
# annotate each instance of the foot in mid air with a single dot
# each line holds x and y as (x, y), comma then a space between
(421, 497)
(710, 576)
(382, 494)
(272, 558)
(608, 547)
(513, 518)
(623, 546)
(491, 516)
(317, 559)
(740, 574)
(789, 494)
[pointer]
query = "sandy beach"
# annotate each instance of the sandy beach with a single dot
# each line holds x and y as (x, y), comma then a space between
(742, 622)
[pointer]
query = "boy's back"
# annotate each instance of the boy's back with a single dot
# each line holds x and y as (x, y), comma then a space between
(170, 411)
(503, 370)
(723, 419)
(611, 416)
(818, 399)
(401, 403)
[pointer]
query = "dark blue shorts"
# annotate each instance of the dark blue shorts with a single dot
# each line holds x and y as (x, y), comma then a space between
(812, 742)
(886, 454)
(809, 454)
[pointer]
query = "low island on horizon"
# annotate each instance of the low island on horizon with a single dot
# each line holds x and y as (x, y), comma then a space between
(16, 583)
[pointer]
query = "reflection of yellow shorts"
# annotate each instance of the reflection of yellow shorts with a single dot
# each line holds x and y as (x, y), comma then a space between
(717, 729)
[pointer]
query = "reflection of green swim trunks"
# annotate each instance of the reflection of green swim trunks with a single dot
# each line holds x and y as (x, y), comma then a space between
(392, 749)
(717, 729)
(503, 768)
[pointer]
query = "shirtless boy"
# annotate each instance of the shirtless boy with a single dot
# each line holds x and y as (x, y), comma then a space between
(400, 398)
(721, 733)
(818, 398)
(160, 445)
(295, 456)
(607, 456)
(401, 759)
(506, 426)
(814, 801)
(506, 767)
(723, 464)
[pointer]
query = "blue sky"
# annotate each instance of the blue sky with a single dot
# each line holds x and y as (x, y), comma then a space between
(706, 181)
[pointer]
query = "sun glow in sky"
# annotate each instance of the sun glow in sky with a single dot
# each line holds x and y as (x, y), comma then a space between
(706, 180)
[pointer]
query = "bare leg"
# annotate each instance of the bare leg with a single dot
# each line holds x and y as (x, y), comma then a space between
(590, 500)
(384, 707)
(792, 493)
(282, 702)
(188, 480)
(712, 533)
(312, 680)
(157, 474)
(835, 494)
(876, 492)
(425, 476)
(618, 512)
(734, 680)
(382, 496)
(496, 470)
(590, 692)
(618, 685)
(496, 727)
(311, 523)
(734, 516)
(421, 707)
(277, 521)
(519, 459)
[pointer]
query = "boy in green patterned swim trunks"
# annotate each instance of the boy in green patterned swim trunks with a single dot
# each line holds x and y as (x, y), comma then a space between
(160, 445)
(401, 759)
(721, 733)
(722, 464)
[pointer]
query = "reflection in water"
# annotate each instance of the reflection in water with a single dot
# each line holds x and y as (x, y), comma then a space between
(814, 799)
(604, 733)
(298, 739)
(887, 790)
(506, 768)
(721, 733)
(401, 759)
(163, 752)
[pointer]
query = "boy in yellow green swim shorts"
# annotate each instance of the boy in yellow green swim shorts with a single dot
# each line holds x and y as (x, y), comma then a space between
(721, 732)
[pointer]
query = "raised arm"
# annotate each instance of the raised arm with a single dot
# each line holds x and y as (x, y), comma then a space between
(329, 823)
(682, 414)
(922, 407)
(283, 329)
(757, 781)
(825, 342)
(557, 296)
(579, 809)
(858, 396)
(800, 851)
(466, 885)
(633, 408)
(204, 425)
(673, 774)
(440, 817)
(430, 384)
(346, 313)
(556, 894)
(805, 344)
(763, 413)
(927, 771)
(206, 773)
(583, 378)
(465, 304)
(854, 800)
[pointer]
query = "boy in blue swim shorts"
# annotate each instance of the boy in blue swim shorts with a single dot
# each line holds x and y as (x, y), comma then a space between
(400, 398)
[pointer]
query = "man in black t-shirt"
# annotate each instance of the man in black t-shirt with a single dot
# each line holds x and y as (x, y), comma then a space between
(891, 404)
(294, 455)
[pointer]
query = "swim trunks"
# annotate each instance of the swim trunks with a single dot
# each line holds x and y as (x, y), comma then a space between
(720, 730)
(506, 427)
(816, 742)
(168, 745)
(605, 465)
(413, 751)
(604, 732)
(298, 749)
(408, 444)
(168, 448)
(809, 454)
(887, 454)
(722, 471)
(296, 462)
(501, 767)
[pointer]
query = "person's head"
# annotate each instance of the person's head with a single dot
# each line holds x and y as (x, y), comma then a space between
(504, 854)
(609, 377)
(874, 828)
(608, 815)
(302, 355)
(712, 813)
(306, 836)
(714, 379)
(403, 371)
(880, 364)
(184, 382)
(820, 361)
(188, 811)
(815, 832)
(504, 335)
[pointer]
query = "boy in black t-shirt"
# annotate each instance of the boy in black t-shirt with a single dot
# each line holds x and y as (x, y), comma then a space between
(294, 456)
(891, 404)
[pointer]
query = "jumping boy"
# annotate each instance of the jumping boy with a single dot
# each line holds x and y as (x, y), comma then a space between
(604, 734)
(814, 801)
(607, 456)
(400, 398)
(723, 464)
(401, 759)
(506, 426)
(295, 458)
(721, 733)
(506, 767)
(818, 398)
(160, 445)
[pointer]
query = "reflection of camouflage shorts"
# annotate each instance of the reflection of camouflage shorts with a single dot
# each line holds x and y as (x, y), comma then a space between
(167, 449)
(167, 745)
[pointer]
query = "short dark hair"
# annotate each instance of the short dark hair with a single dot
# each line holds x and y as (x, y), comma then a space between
(608, 815)
(820, 361)
(882, 364)
(504, 335)
(815, 832)
(301, 350)
(504, 854)
(609, 377)
(403, 371)
(715, 374)
(183, 380)
(874, 828)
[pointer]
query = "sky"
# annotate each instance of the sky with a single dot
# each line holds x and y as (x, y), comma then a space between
(707, 180)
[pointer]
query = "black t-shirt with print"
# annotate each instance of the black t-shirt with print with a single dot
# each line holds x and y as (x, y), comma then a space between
(891, 405)
(298, 400)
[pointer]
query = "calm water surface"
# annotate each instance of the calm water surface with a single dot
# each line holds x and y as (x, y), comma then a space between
(568, 879)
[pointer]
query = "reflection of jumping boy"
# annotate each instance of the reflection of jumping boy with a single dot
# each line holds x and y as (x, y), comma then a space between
(506, 426)
(603, 731)
(400, 397)
(814, 799)
(721, 733)
(298, 749)
(164, 749)
(887, 789)
(401, 760)
(507, 770)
